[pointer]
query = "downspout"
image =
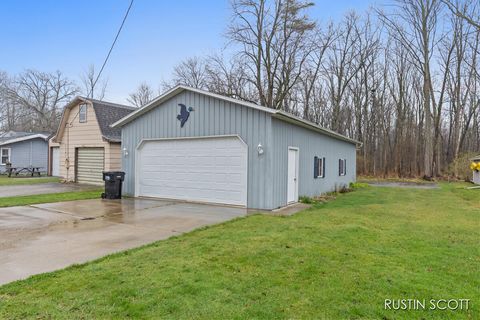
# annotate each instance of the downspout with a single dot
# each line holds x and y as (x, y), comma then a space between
(67, 151)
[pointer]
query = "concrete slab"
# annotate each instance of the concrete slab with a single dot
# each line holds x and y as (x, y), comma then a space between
(290, 209)
(99, 208)
(42, 188)
(48, 237)
(411, 185)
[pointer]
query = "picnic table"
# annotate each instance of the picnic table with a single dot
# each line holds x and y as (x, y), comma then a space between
(30, 170)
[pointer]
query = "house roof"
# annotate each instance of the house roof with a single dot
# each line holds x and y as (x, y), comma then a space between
(14, 134)
(14, 137)
(279, 114)
(106, 114)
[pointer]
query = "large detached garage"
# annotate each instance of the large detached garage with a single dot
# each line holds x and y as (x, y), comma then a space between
(193, 145)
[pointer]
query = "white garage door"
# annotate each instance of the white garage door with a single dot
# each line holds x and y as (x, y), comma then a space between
(198, 169)
(90, 164)
(55, 161)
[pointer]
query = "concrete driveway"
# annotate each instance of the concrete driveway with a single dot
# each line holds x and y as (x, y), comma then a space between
(42, 238)
(42, 188)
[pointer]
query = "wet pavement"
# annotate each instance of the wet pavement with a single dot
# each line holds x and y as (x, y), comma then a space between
(46, 237)
(42, 188)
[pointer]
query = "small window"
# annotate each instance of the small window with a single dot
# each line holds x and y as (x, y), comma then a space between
(82, 114)
(318, 167)
(5, 152)
(342, 167)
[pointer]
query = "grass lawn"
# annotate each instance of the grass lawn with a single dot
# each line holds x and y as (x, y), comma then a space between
(6, 181)
(338, 260)
(51, 197)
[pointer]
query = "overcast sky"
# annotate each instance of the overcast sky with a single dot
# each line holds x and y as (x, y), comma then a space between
(69, 35)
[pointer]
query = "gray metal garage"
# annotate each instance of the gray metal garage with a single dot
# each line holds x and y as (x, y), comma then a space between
(193, 145)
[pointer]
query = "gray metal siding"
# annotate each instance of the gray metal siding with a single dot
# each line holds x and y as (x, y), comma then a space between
(28, 153)
(310, 144)
(211, 117)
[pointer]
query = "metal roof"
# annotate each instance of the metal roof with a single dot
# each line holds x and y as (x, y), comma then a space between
(22, 136)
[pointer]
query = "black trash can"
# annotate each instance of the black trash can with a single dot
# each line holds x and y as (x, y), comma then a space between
(113, 184)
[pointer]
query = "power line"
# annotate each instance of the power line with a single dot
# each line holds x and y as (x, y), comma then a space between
(111, 48)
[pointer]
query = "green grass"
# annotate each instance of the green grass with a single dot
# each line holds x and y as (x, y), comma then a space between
(6, 181)
(51, 197)
(337, 260)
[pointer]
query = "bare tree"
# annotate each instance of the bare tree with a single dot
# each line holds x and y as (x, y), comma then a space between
(8, 115)
(40, 96)
(190, 72)
(229, 78)
(406, 84)
(90, 88)
(274, 40)
(414, 24)
(142, 96)
(467, 10)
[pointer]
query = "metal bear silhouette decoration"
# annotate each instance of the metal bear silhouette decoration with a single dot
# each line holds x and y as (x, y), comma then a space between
(184, 114)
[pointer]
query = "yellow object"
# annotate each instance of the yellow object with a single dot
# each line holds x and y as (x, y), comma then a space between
(475, 166)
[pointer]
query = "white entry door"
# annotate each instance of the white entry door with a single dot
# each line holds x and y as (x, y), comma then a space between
(292, 193)
(55, 161)
(210, 169)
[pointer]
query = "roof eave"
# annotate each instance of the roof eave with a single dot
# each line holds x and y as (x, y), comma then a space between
(25, 138)
(176, 90)
(65, 114)
(112, 140)
(142, 110)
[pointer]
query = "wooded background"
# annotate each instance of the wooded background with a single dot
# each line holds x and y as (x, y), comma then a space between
(403, 78)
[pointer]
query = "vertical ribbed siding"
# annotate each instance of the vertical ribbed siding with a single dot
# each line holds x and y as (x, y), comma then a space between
(28, 153)
(310, 144)
(210, 117)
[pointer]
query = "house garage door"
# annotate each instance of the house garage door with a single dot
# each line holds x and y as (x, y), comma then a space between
(197, 169)
(90, 165)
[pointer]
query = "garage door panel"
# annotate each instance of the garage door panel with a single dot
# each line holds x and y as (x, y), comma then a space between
(206, 169)
(90, 165)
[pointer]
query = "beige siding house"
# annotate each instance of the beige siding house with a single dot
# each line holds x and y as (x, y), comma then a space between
(85, 145)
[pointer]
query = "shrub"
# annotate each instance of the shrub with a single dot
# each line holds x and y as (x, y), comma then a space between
(305, 199)
(460, 168)
(359, 185)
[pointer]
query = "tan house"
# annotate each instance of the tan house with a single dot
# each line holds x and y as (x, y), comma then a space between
(85, 145)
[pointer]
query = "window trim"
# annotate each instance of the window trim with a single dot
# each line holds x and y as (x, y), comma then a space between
(80, 113)
(342, 167)
(9, 156)
(319, 167)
